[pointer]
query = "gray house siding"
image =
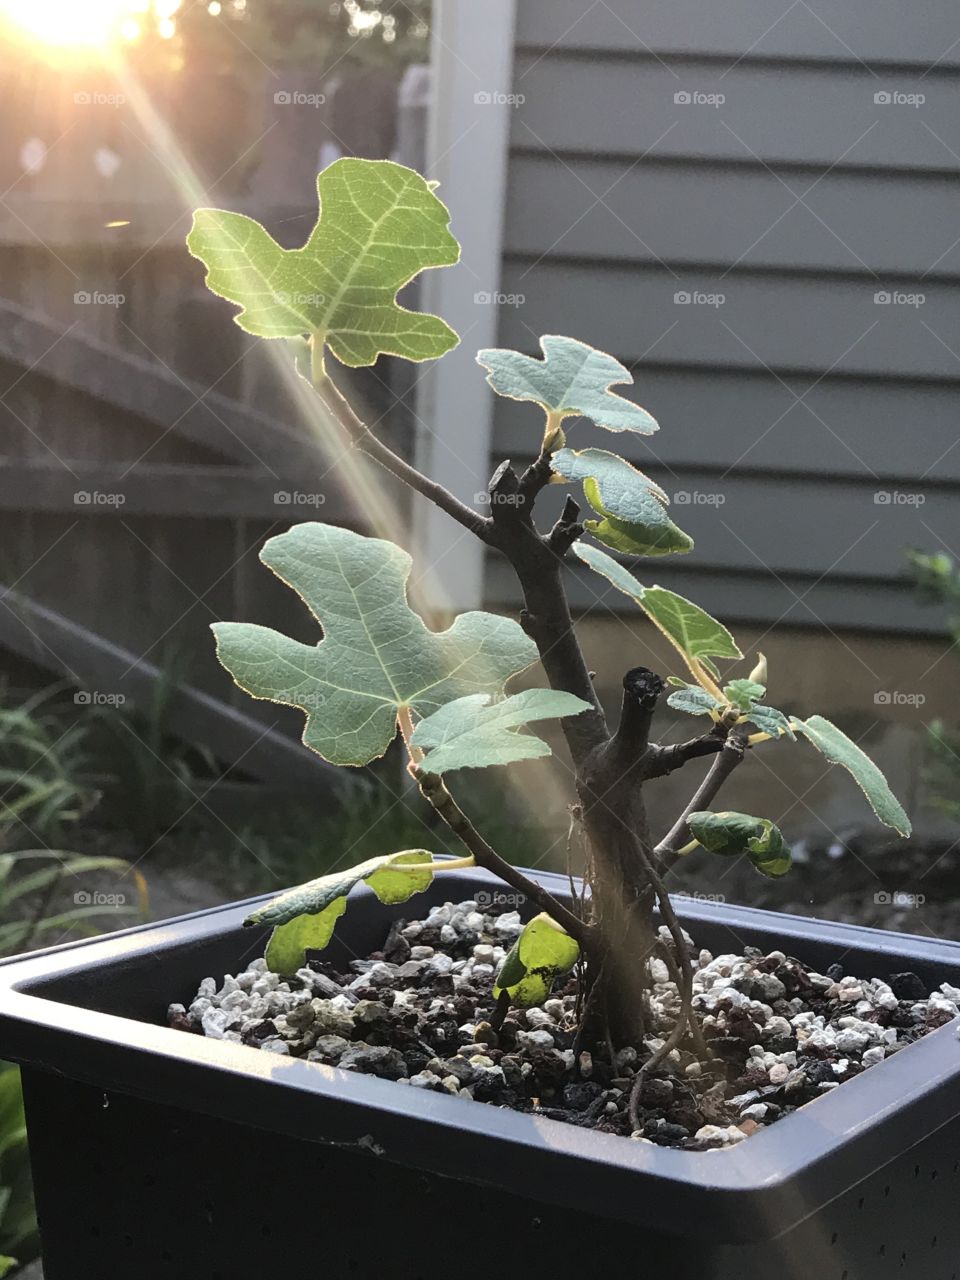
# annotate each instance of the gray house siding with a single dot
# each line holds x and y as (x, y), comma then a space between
(811, 426)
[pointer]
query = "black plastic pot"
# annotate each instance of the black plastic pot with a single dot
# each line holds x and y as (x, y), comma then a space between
(162, 1154)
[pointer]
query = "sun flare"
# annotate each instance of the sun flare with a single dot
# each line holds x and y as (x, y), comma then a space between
(90, 24)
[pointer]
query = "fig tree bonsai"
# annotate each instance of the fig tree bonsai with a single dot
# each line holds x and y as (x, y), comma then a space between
(379, 670)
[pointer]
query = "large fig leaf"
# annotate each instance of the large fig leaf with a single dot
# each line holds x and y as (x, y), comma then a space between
(633, 508)
(571, 380)
(689, 628)
(474, 732)
(304, 918)
(834, 744)
(380, 225)
(541, 954)
(377, 655)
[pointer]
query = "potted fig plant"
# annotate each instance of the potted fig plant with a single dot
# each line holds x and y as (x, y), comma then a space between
(319, 1068)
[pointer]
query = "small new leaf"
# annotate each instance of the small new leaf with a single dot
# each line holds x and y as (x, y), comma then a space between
(743, 693)
(542, 953)
(474, 732)
(694, 701)
(376, 656)
(770, 720)
(733, 834)
(834, 744)
(380, 225)
(572, 379)
(304, 918)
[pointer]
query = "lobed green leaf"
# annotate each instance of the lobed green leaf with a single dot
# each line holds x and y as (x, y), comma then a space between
(572, 379)
(380, 224)
(736, 834)
(376, 656)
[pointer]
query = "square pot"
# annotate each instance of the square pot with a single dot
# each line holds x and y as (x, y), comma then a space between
(162, 1154)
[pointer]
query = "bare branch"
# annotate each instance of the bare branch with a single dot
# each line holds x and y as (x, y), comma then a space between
(730, 756)
(435, 791)
(364, 439)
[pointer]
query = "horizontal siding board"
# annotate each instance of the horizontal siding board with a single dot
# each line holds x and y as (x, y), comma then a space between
(805, 114)
(833, 602)
(835, 29)
(793, 526)
(688, 213)
(720, 419)
(787, 323)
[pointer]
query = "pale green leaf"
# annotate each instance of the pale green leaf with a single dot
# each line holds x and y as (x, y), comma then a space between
(639, 540)
(304, 918)
(380, 225)
(376, 656)
(834, 744)
(571, 379)
(474, 732)
(686, 625)
(770, 720)
(542, 953)
(694, 701)
(743, 693)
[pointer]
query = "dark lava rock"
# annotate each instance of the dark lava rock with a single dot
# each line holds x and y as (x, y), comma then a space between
(579, 1096)
(907, 986)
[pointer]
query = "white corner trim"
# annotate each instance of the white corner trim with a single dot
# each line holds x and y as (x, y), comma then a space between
(467, 152)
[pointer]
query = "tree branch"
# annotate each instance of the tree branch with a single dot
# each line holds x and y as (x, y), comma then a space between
(364, 439)
(435, 791)
(730, 756)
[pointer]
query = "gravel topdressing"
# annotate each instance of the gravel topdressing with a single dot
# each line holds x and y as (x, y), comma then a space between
(417, 1013)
